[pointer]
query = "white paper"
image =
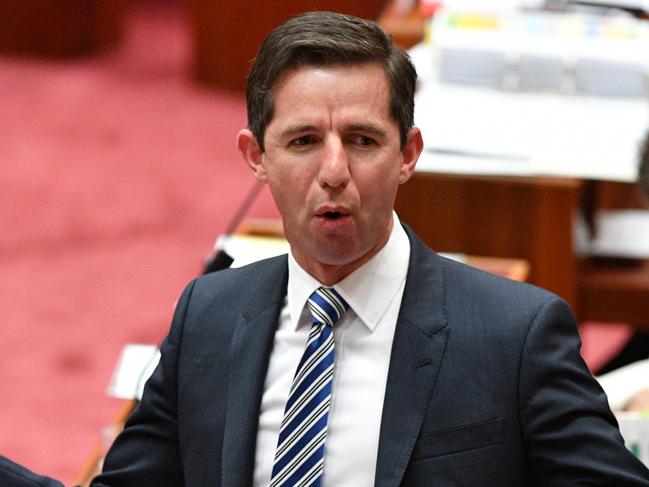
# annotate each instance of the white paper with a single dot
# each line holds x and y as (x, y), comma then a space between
(620, 233)
(506, 130)
(135, 365)
(622, 384)
(456, 256)
(635, 431)
(245, 249)
(535, 133)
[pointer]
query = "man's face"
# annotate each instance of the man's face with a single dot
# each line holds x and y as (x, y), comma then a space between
(333, 163)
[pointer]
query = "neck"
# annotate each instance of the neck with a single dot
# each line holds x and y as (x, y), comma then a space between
(330, 274)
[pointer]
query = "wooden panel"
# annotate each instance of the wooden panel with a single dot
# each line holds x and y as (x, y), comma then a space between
(526, 218)
(406, 27)
(616, 195)
(59, 28)
(615, 291)
(517, 269)
(228, 33)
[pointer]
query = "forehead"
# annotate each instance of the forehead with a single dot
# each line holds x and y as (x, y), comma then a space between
(339, 90)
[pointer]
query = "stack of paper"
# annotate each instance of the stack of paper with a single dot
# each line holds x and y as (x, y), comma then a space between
(473, 129)
(635, 431)
(135, 365)
(620, 233)
(538, 72)
(472, 67)
(610, 78)
(544, 51)
(245, 249)
(622, 384)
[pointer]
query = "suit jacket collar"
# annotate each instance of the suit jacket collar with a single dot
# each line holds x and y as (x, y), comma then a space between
(250, 349)
(417, 350)
(419, 343)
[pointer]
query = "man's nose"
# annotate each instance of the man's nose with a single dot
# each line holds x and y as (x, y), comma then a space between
(334, 168)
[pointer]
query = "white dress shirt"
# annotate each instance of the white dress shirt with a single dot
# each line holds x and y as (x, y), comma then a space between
(363, 341)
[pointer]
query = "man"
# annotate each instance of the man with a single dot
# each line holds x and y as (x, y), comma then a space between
(432, 374)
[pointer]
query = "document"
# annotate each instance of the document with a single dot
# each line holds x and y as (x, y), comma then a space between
(620, 233)
(517, 127)
(134, 367)
(478, 130)
(245, 249)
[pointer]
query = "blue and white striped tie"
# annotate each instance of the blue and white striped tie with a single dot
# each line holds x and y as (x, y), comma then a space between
(299, 458)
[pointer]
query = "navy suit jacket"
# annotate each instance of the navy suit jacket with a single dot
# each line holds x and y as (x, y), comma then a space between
(15, 475)
(486, 387)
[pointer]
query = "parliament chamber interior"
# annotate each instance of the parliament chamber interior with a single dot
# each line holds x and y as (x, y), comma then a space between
(120, 171)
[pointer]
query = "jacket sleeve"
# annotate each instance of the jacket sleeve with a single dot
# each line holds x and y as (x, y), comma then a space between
(570, 434)
(14, 475)
(147, 451)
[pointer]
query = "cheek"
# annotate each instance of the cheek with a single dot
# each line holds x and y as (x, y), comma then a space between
(379, 187)
(289, 192)
(291, 172)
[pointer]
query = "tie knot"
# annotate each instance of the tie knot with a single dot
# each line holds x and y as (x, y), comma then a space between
(326, 306)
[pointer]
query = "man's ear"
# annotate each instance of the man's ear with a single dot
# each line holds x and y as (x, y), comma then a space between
(252, 154)
(410, 154)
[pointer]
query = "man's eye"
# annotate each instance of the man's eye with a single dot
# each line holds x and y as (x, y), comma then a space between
(362, 140)
(302, 141)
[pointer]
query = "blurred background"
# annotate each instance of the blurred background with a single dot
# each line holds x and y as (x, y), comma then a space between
(119, 170)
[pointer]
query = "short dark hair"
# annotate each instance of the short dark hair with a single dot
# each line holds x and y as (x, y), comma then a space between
(326, 39)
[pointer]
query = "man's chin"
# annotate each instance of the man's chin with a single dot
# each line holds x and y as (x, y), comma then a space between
(326, 252)
(343, 257)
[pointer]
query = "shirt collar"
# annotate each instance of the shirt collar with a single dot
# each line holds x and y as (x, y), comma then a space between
(368, 290)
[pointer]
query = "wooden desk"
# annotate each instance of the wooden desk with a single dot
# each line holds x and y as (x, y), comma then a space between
(228, 33)
(60, 28)
(531, 218)
(617, 290)
(511, 268)
(405, 28)
(523, 217)
(526, 218)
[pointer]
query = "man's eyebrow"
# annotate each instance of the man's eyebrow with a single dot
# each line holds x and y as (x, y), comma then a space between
(367, 128)
(293, 130)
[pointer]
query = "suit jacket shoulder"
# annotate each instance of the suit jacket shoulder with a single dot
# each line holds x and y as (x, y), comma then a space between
(512, 402)
(245, 288)
(202, 401)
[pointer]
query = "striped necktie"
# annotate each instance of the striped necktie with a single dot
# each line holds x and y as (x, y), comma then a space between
(299, 458)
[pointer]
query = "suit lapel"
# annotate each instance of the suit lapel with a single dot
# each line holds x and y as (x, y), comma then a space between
(417, 351)
(250, 350)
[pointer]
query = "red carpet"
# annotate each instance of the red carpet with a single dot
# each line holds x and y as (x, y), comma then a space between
(117, 175)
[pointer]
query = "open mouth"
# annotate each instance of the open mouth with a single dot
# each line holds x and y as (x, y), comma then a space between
(333, 215)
